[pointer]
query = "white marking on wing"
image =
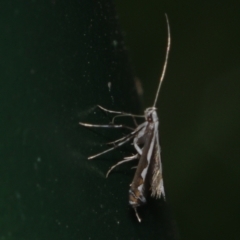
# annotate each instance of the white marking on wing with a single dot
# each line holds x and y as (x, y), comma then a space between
(144, 173)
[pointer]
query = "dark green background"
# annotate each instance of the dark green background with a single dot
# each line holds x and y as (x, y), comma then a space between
(199, 106)
(56, 60)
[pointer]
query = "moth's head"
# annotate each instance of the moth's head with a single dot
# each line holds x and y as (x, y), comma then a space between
(151, 114)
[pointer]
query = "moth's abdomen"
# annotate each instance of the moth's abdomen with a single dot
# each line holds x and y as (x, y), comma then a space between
(136, 198)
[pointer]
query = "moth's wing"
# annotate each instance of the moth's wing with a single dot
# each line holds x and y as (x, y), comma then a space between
(157, 188)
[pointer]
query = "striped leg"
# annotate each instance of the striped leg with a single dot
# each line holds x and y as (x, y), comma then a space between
(121, 114)
(126, 159)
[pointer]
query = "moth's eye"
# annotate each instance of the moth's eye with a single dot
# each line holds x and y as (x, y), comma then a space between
(149, 119)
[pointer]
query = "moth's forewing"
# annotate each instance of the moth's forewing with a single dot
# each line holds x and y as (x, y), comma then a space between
(138, 188)
(155, 170)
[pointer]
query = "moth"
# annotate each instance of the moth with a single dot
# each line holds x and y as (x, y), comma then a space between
(148, 175)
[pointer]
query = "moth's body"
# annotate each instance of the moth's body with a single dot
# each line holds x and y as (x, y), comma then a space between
(148, 175)
(149, 160)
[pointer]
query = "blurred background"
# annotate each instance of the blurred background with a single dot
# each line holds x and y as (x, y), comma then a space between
(199, 105)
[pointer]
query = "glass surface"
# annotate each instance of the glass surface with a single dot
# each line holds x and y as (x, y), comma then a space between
(59, 59)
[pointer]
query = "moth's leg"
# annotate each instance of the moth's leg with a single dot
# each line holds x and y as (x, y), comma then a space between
(126, 159)
(106, 126)
(136, 213)
(137, 132)
(120, 113)
(126, 115)
(140, 139)
(136, 146)
(121, 139)
(136, 156)
(125, 137)
(138, 149)
(112, 148)
(129, 136)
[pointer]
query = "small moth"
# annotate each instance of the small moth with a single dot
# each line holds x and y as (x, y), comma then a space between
(148, 175)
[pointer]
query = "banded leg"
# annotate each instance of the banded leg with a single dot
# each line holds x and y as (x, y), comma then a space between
(112, 148)
(126, 159)
(137, 138)
(136, 131)
(106, 126)
(119, 142)
(133, 117)
(120, 113)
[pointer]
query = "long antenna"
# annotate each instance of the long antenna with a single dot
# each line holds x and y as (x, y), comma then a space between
(165, 63)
